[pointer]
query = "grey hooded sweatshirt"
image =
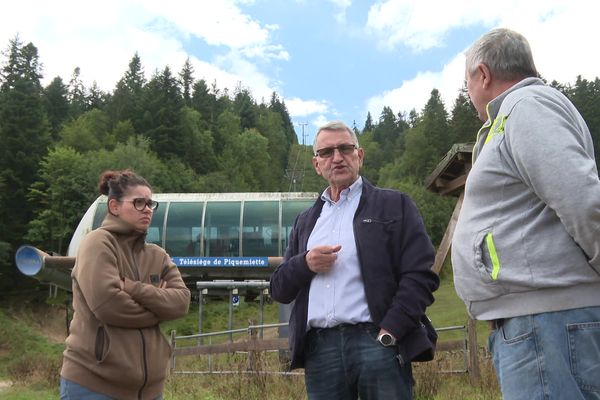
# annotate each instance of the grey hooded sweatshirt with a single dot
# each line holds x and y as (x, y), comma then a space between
(527, 239)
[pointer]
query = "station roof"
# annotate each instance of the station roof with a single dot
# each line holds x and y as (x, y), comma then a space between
(449, 176)
(250, 196)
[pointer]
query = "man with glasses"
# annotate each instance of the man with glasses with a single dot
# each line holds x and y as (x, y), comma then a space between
(358, 268)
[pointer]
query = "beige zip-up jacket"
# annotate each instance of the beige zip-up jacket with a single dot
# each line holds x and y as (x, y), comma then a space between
(115, 345)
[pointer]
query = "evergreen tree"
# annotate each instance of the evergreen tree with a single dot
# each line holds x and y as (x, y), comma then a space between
(270, 125)
(24, 134)
(162, 105)
(464, 122)
(96, 98)
(245, 107)
(413, 118)
(355, 128)
(427, 141)
(369, 127)
(126, 100)
(374, 157)
(585, 95)
(279, 107)
(389, 134)
(419, 157)
(435, 124)
(56, 105)
(186, 81)
(205, 103)
(76, 94)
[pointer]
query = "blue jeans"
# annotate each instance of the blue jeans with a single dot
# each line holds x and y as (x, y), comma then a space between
(554, 355)
(70, 390)
(345, 362)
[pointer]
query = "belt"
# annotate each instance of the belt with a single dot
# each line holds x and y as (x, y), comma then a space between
(496, 324)
(343, 327)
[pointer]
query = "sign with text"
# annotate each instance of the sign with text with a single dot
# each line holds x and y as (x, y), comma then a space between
(183, 262)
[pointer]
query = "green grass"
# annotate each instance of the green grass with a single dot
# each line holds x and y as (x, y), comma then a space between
(27, 393)
(449, 310)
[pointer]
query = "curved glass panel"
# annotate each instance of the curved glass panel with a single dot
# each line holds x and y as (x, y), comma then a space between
(260, 229)
(289, 211)
(155, 231)
(222, 229)
(99, 215)
(184, 226)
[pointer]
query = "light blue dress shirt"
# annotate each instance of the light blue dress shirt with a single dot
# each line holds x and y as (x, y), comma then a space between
(338, 296)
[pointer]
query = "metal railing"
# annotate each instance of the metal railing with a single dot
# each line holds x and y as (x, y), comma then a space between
(255, 341)
(251, 346)
(460, 345)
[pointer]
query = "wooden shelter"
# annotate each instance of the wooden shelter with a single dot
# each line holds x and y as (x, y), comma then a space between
(448, 179)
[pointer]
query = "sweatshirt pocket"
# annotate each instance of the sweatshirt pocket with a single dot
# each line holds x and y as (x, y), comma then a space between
(488, 258)
(101, 344)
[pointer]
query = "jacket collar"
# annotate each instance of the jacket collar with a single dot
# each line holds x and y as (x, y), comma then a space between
(123, 229)
(492, 109)
(494, 106)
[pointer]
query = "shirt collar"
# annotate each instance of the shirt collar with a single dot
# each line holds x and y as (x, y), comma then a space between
(349, 193)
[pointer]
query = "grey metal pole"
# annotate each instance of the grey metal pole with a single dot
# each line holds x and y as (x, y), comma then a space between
(201, 293)
(262, 310)
(230, 321)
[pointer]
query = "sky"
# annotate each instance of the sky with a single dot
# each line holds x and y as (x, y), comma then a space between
(327, 59)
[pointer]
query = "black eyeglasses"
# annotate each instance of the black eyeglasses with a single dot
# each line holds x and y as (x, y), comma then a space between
(327, 152)
(141, 203)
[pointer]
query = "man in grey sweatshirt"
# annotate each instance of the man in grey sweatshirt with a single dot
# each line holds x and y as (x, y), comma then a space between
(526, 249)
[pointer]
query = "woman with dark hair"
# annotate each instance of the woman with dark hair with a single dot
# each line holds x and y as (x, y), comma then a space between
(122, 289)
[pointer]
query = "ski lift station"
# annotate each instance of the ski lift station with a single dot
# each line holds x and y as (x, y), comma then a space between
(209, 236)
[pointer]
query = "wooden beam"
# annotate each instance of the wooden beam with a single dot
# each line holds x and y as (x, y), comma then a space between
(474, 372)
(444, 247)
(232, 347)
(453, 185)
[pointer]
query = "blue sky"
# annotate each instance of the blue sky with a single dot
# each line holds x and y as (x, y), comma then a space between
(328, 59)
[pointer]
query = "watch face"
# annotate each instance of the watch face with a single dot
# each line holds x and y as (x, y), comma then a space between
(386, 339)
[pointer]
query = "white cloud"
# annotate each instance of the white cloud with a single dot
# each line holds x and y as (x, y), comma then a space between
(559, 56)
(302, 108)
(562, 40)
(219, 23)
(101, 38)
(342, 6)
(414, 93)
(422, 24)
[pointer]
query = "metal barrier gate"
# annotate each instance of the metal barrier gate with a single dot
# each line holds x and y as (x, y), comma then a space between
(255, 341)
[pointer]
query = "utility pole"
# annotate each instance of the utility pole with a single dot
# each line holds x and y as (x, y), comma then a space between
(296, 174)
(304, 135)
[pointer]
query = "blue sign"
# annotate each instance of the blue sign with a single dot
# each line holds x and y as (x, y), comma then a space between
(183, 262)
(235, 300)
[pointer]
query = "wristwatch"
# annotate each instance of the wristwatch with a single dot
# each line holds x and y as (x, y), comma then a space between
(386, 339)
